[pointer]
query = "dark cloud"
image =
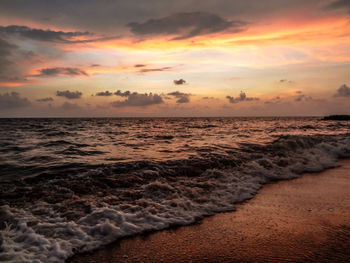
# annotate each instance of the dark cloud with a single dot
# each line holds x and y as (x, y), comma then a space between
(299, 91)
(61, 71)
(122, 94)
(343, 91)
(340, 4)
(140, 65)
(13, 100)
(178, 94)
(179, 82)
(145, 70)
(6, 64)
(6, 48)
(181, 97)
(109, 16)
(40, 34)
(95, 65)
(138, 100)
(242, 97)
(186, 25)
(208, 98)
(104, 93)
(69, 94)
(48, 99)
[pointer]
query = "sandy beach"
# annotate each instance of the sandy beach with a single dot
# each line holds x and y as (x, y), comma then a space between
(302, 220)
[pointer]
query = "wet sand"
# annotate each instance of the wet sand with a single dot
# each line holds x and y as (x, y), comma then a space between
(302, 220)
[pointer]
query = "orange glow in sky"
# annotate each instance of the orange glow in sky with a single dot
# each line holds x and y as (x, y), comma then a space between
(297, 50)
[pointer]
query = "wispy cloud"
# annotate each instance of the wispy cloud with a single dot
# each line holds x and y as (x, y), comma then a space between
(40, 34)
(61, 71)
(303, 97)
(285, 81)
(146, 70)
(70, 106)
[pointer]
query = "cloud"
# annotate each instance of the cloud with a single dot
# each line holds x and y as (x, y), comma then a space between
(184, 99)
(140, 65)
(181, 97)
(6, 48)
(340, 4)
(343, 91)
(40, 34)
(138, 100)
(303, 98)
(14, 61)
(145, 70)
(45, 99)
(274, 100)
(61, 71)
(104, 93)
(179, 82)
(122, 94)
(185, 25)
(69, 94)
(286, 81)
(13, 100)
(242, 97)
(6, 51)
(70, 106)
(109, 16)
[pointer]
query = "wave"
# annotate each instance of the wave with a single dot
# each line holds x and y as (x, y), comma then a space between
(50, 218)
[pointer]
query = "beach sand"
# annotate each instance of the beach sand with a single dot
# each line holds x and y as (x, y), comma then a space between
(302, 220)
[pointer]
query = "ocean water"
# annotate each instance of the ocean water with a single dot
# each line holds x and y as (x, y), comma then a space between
(73, 185)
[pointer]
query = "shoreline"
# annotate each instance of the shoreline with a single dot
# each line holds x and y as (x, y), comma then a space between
(305, 219)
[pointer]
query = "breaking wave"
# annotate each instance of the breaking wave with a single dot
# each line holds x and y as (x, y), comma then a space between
(50, 217)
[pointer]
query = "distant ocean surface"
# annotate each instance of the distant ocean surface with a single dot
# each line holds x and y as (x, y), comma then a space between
(73, 185)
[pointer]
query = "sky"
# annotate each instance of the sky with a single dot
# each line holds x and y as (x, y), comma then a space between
(138, 58)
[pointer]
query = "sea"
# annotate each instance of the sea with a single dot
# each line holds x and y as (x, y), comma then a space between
(70, 186)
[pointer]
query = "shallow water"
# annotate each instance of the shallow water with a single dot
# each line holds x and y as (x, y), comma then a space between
(303, 220)
(72, 185)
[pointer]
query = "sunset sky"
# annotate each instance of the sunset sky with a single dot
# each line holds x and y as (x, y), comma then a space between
(77, 58)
